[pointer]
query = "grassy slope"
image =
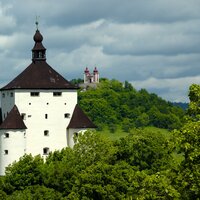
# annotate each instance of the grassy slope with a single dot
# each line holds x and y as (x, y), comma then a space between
(120, 133)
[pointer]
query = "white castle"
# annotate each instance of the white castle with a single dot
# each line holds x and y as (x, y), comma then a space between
(39, 111)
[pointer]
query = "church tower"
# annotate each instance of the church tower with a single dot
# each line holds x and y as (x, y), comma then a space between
(91, 78)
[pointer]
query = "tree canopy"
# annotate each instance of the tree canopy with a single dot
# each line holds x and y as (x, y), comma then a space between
(112, 102)
(143, 165)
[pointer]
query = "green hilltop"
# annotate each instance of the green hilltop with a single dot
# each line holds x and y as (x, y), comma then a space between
(113, 103)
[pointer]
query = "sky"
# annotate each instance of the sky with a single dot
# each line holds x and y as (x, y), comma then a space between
(152, 44)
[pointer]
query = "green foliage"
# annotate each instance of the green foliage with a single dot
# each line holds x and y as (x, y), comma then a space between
(23, 173)
(135, 167)
(36, 192)
(112, 102)
(145, 150)
(189, 145)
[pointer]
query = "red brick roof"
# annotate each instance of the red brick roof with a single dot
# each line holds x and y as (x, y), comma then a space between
(13, 120)
(80, 120)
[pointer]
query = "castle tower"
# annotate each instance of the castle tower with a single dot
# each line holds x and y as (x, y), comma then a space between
(37, 108)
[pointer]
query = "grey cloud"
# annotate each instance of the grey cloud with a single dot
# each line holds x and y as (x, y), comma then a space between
(126, 40)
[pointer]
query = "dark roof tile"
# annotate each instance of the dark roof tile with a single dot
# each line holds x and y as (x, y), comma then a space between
(80, 120)
(13, 120)
(39, 75)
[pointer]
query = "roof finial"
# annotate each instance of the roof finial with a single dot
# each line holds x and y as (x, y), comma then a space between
(36, 22)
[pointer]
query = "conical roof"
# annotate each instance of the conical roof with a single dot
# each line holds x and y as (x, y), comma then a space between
(39, 75)
(80, 120)
(13, 120)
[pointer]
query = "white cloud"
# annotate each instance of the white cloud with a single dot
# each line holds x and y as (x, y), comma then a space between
(175, 89)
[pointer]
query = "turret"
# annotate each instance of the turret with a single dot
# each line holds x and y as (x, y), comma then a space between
(38, 51)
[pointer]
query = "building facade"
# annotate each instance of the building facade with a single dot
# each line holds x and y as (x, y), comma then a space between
(39, 111)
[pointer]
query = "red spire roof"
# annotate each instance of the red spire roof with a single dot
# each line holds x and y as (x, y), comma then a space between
(13, 120)
(95, 70)
(87, 70)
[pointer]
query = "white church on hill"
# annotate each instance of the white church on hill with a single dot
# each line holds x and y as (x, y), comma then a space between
(39, 111)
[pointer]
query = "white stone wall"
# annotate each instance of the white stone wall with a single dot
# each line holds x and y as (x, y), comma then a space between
(55, 107)
(35, 109)
(12, 147)
(70, 135)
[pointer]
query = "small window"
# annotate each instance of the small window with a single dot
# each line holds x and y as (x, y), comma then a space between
(46, 133)
(3, 95)
(76, 134)
(6, 135)
(67, 115)
(23, 115)
(46, 151)
(6, 152)
(35, 94)
(57, 94)
(46, 116)
(11, 94)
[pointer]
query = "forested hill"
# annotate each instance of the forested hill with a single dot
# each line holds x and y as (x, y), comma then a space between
(113, 103)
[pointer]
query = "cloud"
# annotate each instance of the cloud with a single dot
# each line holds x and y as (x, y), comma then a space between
(140, 41)
(7, 22)
(170, 89)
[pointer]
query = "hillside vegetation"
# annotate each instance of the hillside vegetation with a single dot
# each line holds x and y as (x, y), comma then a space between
(146, 164)
(113, 103)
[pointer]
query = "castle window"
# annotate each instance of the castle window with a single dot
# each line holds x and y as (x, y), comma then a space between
(40, 54)
(66, 115)
(6, 135)
(46, 116)
(46, 133)
(3, 95)
(76, 134)
(23, 116)
(6, 152)
(35, 94)
(45, 151)
(57, 94)
(11, 94)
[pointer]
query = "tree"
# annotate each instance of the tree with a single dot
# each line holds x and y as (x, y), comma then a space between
(189, 144)
(145, 150)
(91, 147)
(25, 172)
(35, 192)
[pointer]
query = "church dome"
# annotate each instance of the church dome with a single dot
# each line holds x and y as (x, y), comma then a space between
(38, 36)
